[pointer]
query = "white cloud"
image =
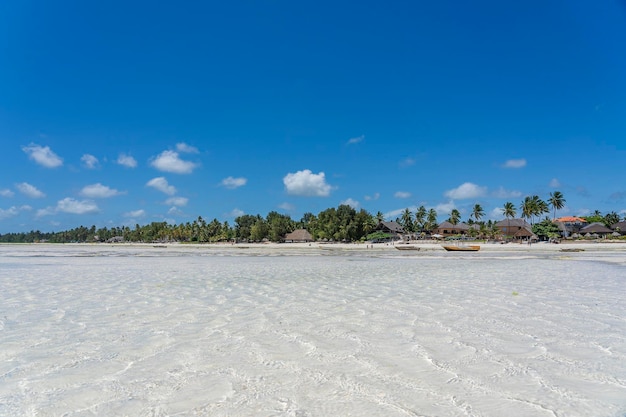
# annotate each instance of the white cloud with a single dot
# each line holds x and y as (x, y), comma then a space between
(376, 196)
(350, 202)
(554, 183)
(175, 211)
(184, 148)
(515, 163)
(70, 205)
(48, 211)
(496, 213)
(29, 190)
(445, 208)
(43, 155)
(287, 207)
(177, 201)
(398, 212)
(10, 212)
(169, 161)
(393, 214)
(99, 191)
(135, 213)
(353, 141)
(465, 191)
(6, 193)
(305, 183)
(161, 184)
(235, 213)
(127, 161)
(402, 194)
(233, 183)
(503, 193)
(89, 161)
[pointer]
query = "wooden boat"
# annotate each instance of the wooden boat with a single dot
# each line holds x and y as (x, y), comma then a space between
(405, 247)
(461, 248)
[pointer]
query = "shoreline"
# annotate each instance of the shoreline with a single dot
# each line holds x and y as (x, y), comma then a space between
(422, 245)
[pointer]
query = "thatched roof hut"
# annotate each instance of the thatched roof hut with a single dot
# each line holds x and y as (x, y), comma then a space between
(447, 229)
(596, 227)
(298, 235)
(510, 227)
(390, 227)
(620, 227)
(525, 233)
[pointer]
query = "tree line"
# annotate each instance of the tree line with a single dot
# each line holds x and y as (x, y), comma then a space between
(343, 223)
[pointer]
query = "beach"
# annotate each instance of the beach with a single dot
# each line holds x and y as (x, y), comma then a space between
(312, 330)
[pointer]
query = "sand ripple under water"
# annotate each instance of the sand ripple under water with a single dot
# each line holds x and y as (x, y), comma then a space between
(160, 332)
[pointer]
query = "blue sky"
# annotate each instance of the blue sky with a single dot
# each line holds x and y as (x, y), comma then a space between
(117, 113)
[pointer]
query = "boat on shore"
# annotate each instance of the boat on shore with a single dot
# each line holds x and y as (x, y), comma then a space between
(461, 248)
(405, 247)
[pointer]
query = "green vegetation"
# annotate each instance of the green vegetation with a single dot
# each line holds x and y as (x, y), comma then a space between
(546, 229)
(341, 224)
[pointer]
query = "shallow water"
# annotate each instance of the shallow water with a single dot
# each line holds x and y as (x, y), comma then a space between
(142, 331)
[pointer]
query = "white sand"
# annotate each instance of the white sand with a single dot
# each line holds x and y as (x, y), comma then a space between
(294, 330)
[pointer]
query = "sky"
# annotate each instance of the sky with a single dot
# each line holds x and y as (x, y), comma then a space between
(122, 113)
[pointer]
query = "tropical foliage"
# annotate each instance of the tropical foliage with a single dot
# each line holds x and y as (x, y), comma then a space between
(343, 223)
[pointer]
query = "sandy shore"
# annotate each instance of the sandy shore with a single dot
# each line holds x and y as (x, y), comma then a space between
(425, 245)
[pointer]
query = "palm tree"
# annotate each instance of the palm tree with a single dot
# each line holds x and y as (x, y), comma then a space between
(611, 218)
(455, 216)
(431, 219)
(420, 217)
(508, 211)
(380, 217)
(557, 201)
(527, 208)
(478, 212)
(407, 220)
(541, 206)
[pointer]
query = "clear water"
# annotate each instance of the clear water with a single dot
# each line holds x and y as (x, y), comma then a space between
(142, 331)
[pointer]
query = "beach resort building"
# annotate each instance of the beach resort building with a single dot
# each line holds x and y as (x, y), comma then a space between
(570, 225)
(595, 230)
(393, 228)
(516, 228)
(298, 236)
(446, 229)
(620, 228)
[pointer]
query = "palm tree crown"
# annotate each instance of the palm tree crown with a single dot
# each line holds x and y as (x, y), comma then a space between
(478, 212)
(557, 201)
(508, 211)
(455, 216)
